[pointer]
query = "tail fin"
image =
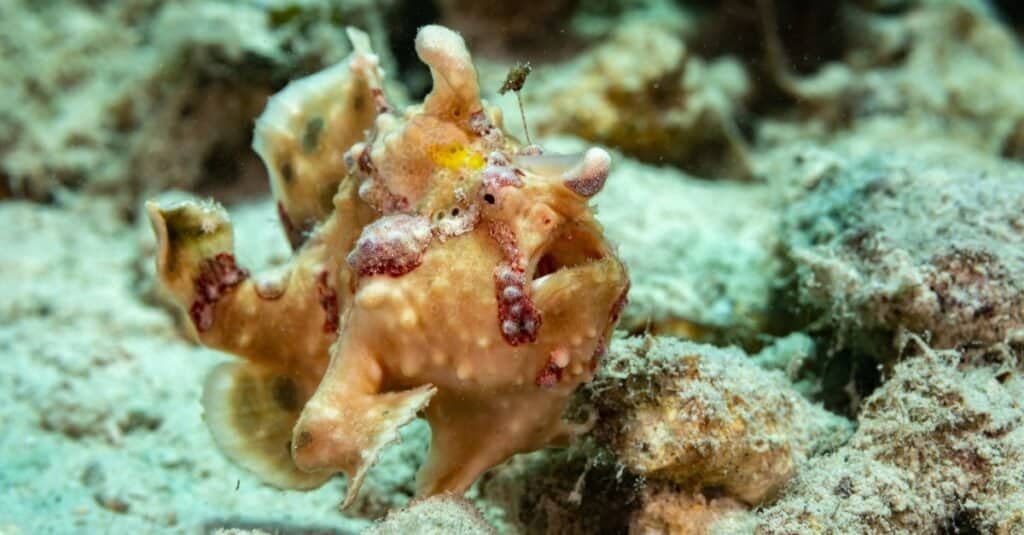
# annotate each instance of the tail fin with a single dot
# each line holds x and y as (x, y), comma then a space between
(251, 412)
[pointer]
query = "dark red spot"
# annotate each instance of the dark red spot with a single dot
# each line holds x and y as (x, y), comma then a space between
(365, 163)
(587, 185)
(549, 376)
(391, 202)
(518, 319)
(391, 245)
(499, 173)
(480, 124)
(377, 194)
(217, 277)
(380, 100)
(382, 198)
(505, 237)
(202, 315)
(328, 301)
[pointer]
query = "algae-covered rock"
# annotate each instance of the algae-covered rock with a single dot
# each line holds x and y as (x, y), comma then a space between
(938, 447)
(645, 93)
(672, 512)
(687, 438)
(903, 241)
(706, 417)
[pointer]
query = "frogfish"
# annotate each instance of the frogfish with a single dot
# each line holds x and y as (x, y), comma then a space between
(440, 269)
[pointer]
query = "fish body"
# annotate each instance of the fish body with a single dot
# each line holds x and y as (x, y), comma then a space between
(449, 273)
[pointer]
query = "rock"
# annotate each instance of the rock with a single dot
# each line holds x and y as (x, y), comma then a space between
(906, 241)
(438, 515)
(706, 417)
(939, 446)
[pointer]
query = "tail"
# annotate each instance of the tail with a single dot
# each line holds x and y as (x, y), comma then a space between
(251, 412)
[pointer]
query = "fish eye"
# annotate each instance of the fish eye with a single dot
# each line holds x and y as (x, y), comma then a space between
(489, 198)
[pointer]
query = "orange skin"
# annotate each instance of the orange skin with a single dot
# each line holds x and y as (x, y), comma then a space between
(467, 277)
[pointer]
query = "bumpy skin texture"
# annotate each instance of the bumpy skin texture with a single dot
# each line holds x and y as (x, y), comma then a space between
(453, 276)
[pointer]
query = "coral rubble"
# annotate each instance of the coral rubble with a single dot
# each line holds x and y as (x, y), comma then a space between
(938, 447)
(687, 437)
(672, 107)
(452, 272)
(906, 241)
(679, 513)
(705, 417)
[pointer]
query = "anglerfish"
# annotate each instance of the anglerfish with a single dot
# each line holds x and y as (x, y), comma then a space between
(440, 269)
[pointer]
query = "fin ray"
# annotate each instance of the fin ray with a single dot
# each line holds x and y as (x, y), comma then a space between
(251, 411)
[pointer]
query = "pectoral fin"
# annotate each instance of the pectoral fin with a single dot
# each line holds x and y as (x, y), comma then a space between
(344, 431)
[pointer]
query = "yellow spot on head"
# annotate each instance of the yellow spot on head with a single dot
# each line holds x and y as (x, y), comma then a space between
(455, 157)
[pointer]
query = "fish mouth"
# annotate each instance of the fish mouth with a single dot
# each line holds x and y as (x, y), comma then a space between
(570, 252)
